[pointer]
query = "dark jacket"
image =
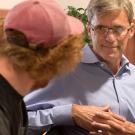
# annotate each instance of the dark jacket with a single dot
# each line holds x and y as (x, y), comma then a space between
(13, 116)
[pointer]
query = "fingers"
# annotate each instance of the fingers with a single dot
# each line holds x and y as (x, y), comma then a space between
(116, 126)
(118, 117)
(101, 126)
(109, 121)
(106, 108)
(107, 129)
(110, 116)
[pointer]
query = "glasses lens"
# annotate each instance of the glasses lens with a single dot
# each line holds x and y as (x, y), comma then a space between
(119, 30)
(116, 30)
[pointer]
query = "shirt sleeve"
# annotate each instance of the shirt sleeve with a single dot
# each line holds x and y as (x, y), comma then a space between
(50, 106)
(58, 115)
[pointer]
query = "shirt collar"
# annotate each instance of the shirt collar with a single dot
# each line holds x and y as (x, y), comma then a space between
(124, 61)
(90, 57)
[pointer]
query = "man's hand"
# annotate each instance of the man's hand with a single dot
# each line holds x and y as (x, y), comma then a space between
(113, 126)
(85, 117)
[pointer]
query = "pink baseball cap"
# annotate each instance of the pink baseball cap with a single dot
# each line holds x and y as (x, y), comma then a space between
(42, 21)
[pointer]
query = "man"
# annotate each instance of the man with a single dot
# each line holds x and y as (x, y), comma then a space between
(101, 90)
(39, 41)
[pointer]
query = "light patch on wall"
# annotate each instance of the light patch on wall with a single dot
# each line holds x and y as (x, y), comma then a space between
(75, 3)
(7, 4)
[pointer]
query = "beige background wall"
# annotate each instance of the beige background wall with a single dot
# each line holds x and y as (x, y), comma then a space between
(78, 3)
(7, 4)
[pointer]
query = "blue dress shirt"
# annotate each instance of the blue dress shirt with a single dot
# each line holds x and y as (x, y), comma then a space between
(92, 83)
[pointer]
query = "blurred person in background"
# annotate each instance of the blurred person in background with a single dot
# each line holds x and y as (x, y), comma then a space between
(39, 41)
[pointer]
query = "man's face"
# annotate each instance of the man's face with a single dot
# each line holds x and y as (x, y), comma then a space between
(110, 33)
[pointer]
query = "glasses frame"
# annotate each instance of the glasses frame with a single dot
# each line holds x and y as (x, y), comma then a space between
(104, 30)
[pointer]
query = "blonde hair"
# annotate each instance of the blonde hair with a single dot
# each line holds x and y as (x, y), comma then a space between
(48, 62)
(100, 7)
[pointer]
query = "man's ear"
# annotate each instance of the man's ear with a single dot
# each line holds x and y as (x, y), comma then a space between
(132, 29)
(89, 29)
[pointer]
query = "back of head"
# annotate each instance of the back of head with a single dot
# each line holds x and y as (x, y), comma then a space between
(42, 39)
(100, 7)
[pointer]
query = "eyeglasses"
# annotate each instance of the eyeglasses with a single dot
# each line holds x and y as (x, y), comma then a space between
(118, 31)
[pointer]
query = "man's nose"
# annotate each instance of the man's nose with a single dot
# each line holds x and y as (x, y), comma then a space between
(110, 36)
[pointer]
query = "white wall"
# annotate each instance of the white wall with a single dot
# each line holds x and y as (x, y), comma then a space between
(76, 3)
(7, 4)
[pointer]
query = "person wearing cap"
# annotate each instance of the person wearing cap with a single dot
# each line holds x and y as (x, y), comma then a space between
(100, 92)
(37, 41)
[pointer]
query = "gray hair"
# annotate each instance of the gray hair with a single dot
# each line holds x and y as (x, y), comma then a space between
(99, 7)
